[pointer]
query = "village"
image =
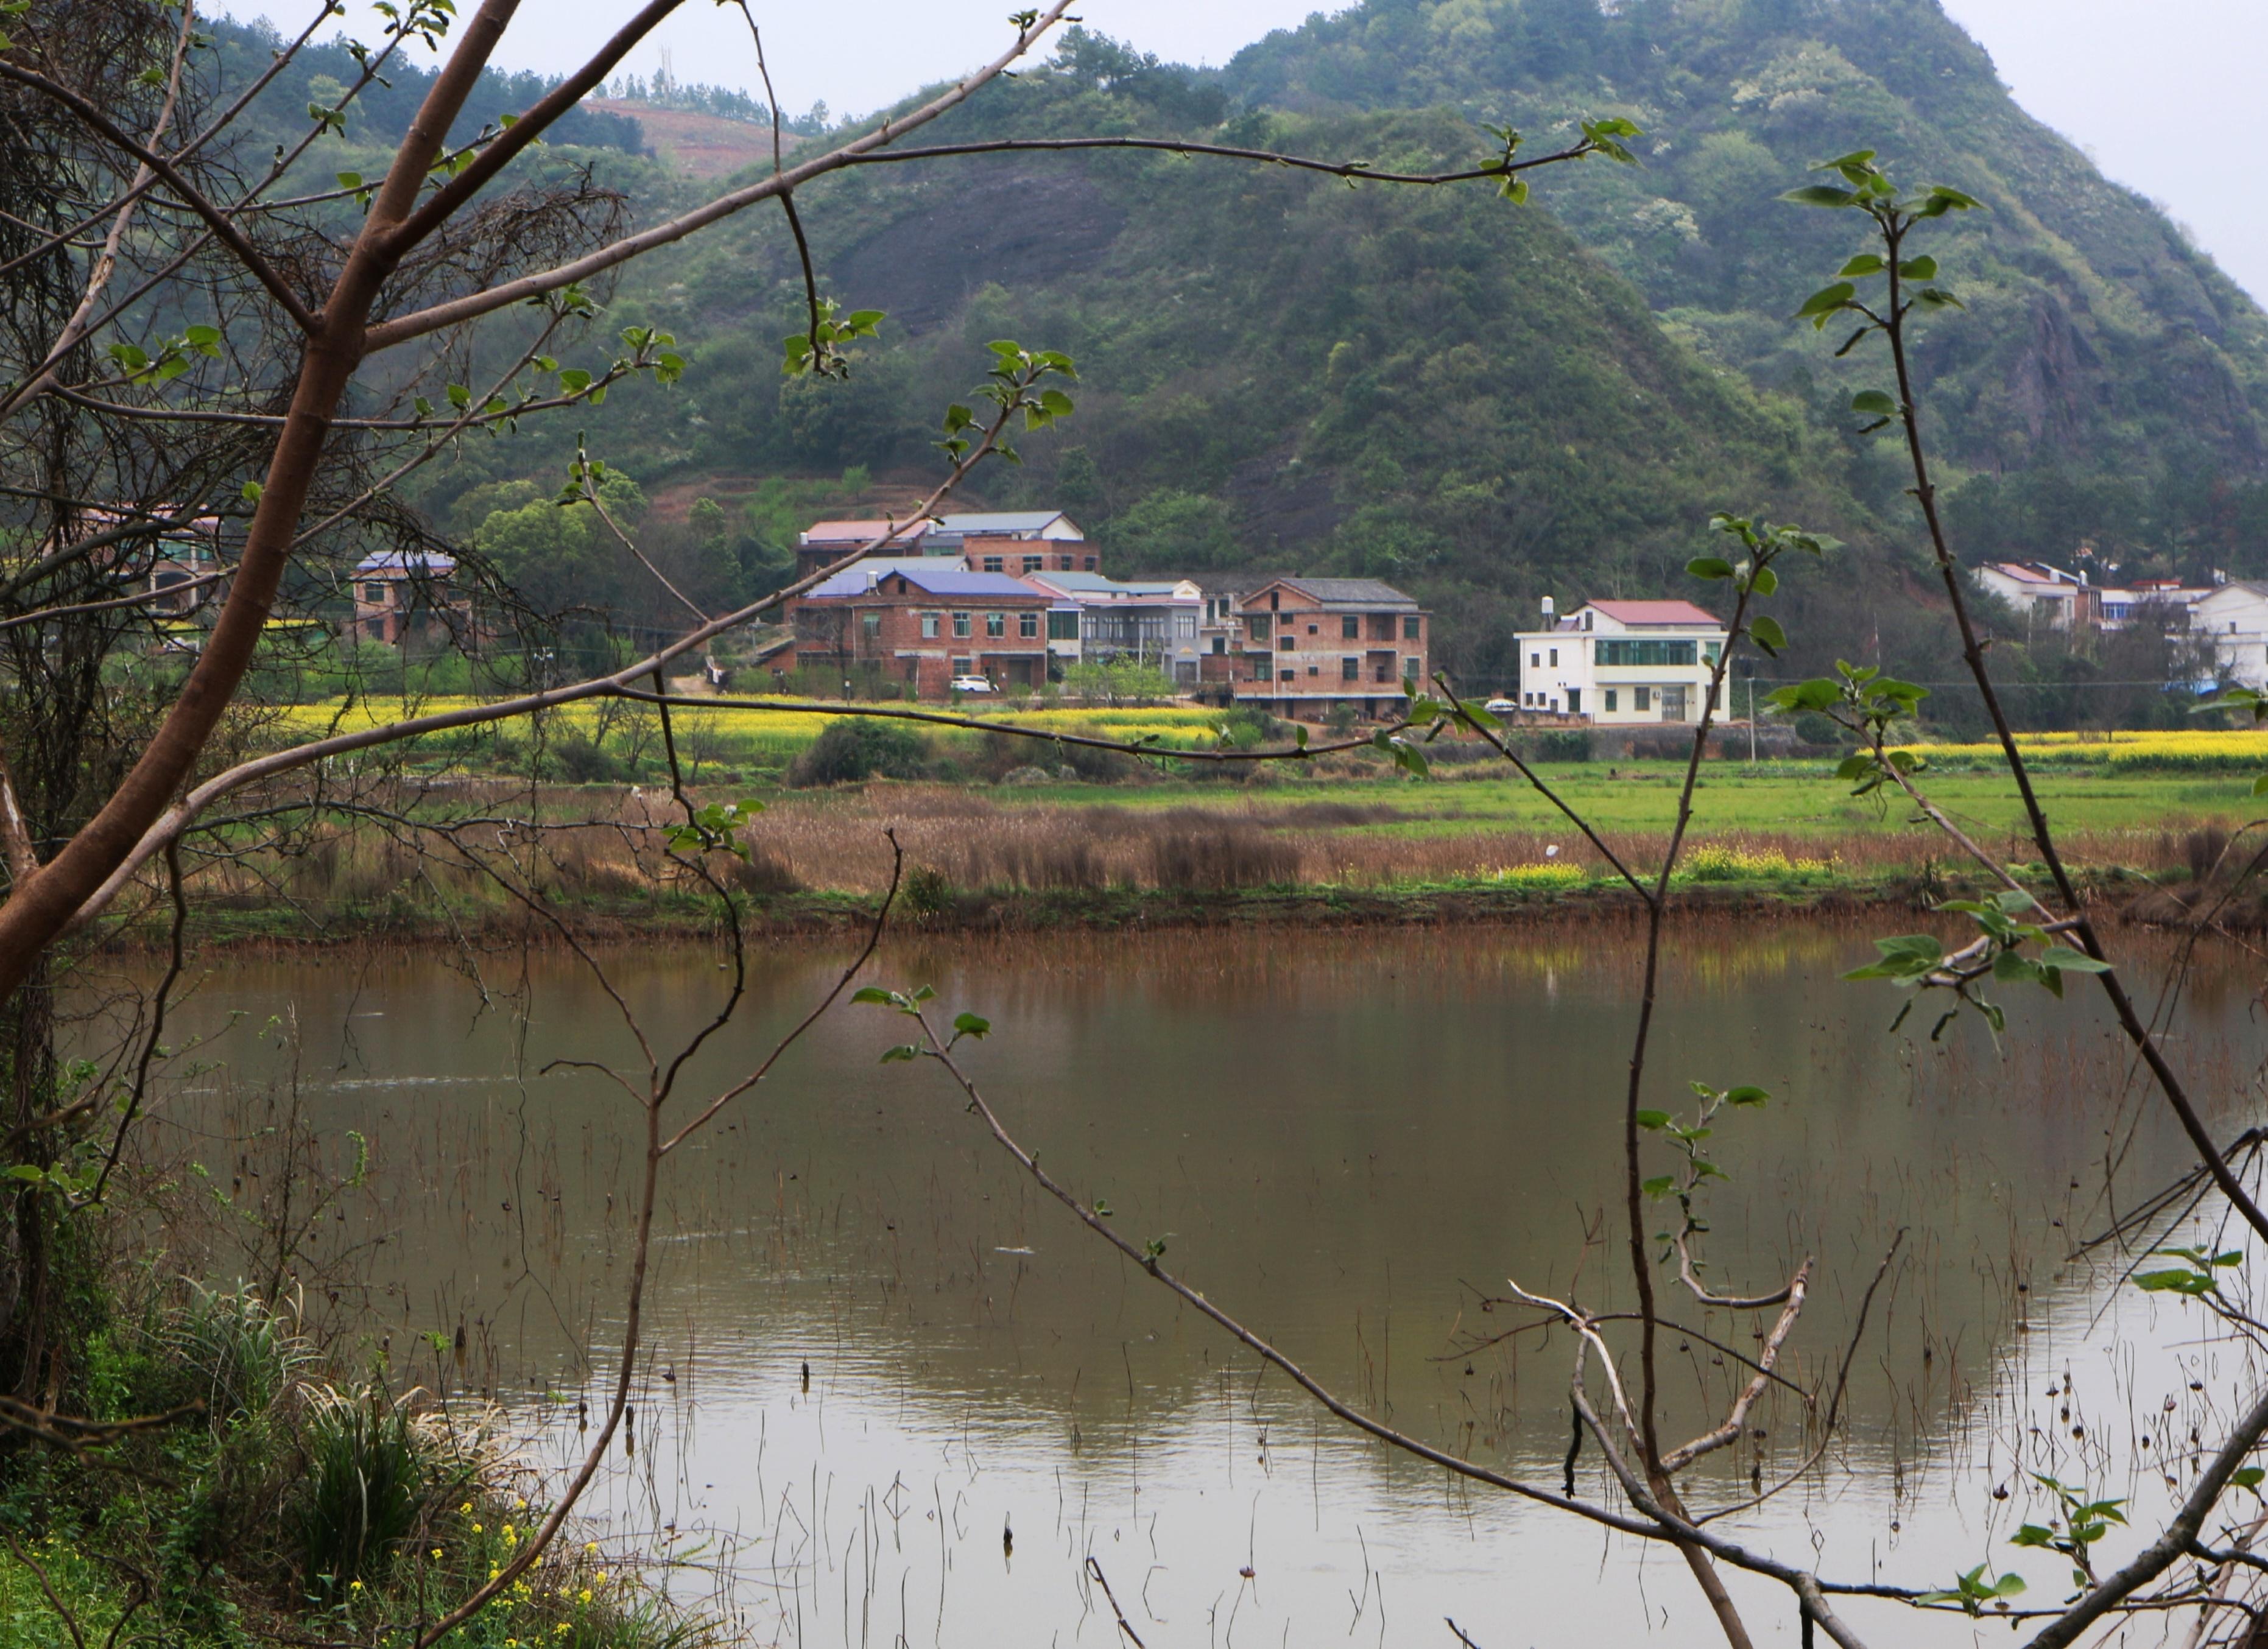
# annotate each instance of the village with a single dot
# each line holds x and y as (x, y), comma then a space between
(991, 605)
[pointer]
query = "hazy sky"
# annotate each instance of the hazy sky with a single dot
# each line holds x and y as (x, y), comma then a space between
(2154, 91)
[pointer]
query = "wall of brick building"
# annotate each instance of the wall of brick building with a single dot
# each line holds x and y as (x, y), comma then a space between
(885, 637)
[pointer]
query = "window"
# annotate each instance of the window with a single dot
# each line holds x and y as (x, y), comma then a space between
(1613, 651)
(1092, 563)
(1555, 658)
(1350, 669)
(994, 563)
(1035, 563)
(1257, 623)
(1410, 627)
(870, 626)
(1062, 564)
(1062, 626)
(1287, 641)
(1314, 629)
(1709, 649)
(929, 626)
(995, 624)
(1412, 668)
(960, 624)
(1220, 643)
(1315, 669)
(1610, 700)
(1028, 626)
(1536, 661)
(1641, 698)
(1263, 670)
(1350, 628)
(964, 666)
(1276, 600)
(1575, 701)
(1673, 703)
(375, 594)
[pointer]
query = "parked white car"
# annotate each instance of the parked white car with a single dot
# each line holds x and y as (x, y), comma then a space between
(1501, 707)
(973, 684)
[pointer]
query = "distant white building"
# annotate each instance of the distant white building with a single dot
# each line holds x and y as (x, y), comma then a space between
(1620, 663)
(1153, 624)
(2233, 618)
(2042, 595)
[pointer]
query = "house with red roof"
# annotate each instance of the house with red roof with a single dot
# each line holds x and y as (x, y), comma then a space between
(1621, 663)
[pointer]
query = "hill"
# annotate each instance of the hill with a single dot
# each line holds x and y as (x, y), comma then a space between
(1481, 402)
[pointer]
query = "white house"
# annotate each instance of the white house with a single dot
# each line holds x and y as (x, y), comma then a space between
(1153, 624)
(2044, 595)
(1618, 663)
(2234, 619)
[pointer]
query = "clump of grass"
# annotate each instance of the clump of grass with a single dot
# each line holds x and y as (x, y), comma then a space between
(371, 1469)
(1542, 878)
(1733, 862)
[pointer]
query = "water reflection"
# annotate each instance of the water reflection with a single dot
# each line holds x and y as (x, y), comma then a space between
(1352, 1140)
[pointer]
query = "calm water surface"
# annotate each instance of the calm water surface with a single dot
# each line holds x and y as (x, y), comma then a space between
(1351, 1141)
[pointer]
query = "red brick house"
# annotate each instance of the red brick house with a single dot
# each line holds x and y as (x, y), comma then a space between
(1312, 645)
(921, 626)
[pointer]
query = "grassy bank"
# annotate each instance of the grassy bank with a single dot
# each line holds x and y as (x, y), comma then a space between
(1342, 847)
(278, 1500)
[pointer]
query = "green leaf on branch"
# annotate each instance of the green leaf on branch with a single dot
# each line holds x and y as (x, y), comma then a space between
(1710, 567)
(1764, 630)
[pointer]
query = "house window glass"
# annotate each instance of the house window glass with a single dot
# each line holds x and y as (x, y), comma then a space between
(1350, 669)
(929, 626)
(996, 624)
(960, 624)
(1063, 627)
(1092, 563)
(374, 594)
(1258, 624)
(870, 625)
(1412, 668)
(1287, 644)
(1617, 651)
(1410, 628)
(1610, 700)
(1034, 563)
(1536, 661)
(1027, 625)
(1641, 698)
(1263, 670)
(1555, 658)
(964, 666)
(1350, 628)
(994, 563)
(1220, 643)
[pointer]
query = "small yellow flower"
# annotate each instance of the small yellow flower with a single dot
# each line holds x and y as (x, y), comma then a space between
(437, 1554)
(585, 1596)
(590, 1545)
(466, 1507)
(477, 1528)
(512, 1643)
(562, 1628)
(602, 1577)
(354, 1586)
(494, 1572)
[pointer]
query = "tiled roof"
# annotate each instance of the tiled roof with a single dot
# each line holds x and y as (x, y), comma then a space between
(409, 561)
(1368, 591)
(1095, 584)
(859, 577)
(1012, 521)
(1682, 613)
(865, 531)
(933, 580)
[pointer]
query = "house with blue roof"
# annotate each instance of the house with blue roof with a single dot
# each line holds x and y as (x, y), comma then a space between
(923, 624)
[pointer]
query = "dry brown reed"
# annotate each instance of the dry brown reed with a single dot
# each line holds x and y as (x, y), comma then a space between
(608, 845)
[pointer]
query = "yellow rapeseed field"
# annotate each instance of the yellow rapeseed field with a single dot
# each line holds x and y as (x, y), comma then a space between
(2204, 749)
(740, 732)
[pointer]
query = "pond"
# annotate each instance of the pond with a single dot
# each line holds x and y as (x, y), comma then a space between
(875, 1352)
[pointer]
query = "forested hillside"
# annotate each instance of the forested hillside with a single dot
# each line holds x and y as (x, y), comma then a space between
(1481, 401)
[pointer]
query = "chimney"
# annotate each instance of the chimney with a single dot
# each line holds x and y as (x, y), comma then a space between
(1549, 612)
